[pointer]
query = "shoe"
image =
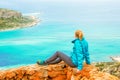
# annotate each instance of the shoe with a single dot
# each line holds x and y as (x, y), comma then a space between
(40, 62)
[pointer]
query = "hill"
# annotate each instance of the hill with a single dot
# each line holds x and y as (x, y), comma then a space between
(11, 19)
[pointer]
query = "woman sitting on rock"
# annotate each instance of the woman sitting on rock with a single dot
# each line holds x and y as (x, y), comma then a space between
(80, 52)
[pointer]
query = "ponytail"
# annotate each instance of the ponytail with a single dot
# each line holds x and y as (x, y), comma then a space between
(79, 34)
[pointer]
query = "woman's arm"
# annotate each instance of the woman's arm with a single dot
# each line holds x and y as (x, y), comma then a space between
(79, 54)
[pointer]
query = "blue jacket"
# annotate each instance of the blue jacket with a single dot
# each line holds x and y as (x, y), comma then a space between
(80, 52)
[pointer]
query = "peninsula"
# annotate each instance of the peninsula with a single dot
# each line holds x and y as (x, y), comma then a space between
(11, 19)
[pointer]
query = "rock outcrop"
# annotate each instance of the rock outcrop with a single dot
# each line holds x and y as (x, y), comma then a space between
(54, 72)
(109, 67)
(115, 58)
(5, 13)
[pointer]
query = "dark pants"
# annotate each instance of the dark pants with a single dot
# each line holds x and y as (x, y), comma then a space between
(58, 57)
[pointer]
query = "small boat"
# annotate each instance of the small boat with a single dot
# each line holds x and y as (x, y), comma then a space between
(115, 58)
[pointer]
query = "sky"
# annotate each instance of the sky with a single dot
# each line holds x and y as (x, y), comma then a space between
(84, 11)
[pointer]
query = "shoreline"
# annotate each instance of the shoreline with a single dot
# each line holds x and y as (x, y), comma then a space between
(35, 22)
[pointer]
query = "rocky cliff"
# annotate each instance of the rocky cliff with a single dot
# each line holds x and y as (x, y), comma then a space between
(55, 72)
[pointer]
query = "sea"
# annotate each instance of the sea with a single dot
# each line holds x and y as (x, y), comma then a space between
(55, 31)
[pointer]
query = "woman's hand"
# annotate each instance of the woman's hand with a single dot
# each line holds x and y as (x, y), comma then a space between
(75, 70)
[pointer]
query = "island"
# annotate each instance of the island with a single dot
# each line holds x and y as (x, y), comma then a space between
(11, 19)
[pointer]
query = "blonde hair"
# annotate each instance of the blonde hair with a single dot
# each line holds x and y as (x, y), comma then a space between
(79, 34)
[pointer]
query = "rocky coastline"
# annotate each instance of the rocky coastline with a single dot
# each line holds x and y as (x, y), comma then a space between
(34, 22)
(11, 20)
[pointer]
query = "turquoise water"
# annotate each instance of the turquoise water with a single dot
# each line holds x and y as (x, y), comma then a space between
(100, 22)
(25, 46)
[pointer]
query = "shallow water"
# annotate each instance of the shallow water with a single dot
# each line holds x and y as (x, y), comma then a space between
(26, 46)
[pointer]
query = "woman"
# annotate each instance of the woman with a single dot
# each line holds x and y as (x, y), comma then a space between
(80, 52)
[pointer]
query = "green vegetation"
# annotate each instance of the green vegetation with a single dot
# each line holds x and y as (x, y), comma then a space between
(10, 19)
(14, 22)
(110, 67)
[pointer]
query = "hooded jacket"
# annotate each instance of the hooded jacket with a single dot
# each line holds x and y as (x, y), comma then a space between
(80, 52)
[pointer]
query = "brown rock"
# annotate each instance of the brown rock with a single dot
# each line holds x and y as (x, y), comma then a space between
(10, 74)
(25, 78)
(59, 71)
(60, 77)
